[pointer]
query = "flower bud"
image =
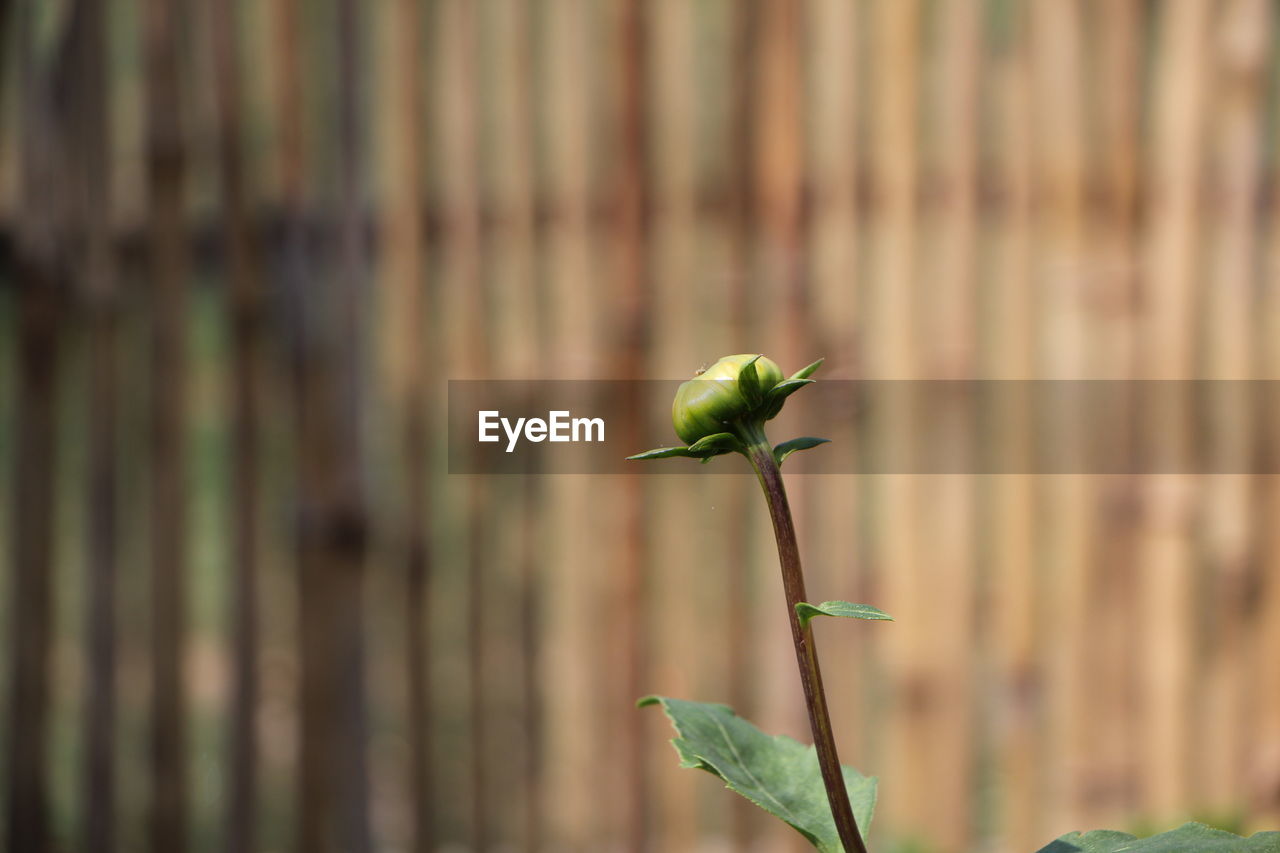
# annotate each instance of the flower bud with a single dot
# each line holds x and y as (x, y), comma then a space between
(711, 401)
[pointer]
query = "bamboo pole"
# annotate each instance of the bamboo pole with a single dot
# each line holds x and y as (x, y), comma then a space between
(573, 581)
(1061, 324)
(470, 356)
(683, 610)
(1116, 79)
(332, 533)
(743, 639)
(1262, 774)
(1009, 355)
(948, 275)
(247, 320)
(287, 164)
(168, 273)
(631, 324)
(516, 320)
(835, 550)
(407, 347)
(1242, 43)
(91, 130)
(1167, 352)
(782, 297)
(895, 34)
(38, 321)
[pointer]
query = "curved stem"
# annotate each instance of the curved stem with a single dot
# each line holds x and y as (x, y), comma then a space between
(766, 468)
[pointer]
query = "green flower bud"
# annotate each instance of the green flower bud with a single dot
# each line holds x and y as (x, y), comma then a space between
(710, 402)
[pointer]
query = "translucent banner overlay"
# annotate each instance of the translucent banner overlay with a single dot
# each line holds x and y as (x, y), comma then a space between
(885, 427)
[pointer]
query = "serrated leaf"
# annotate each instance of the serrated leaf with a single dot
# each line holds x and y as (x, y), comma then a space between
(749, 383)
(806, 372)
(661, 453)
(721, 442)
(786, 448)
(1188, 838)
(779, 774)
(845, 609)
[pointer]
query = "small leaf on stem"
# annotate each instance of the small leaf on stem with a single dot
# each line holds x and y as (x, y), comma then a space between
(662, 453)
(847, 609)
(786, 448)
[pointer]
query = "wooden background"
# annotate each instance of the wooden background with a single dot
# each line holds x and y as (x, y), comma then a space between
(243, 244)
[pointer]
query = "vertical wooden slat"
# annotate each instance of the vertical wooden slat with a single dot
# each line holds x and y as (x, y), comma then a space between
(38, 323)
(288, 161)
(679, 345)
(91, 129)
(1008, 355)
(895, 36)
(168, 271)
(1262, 774)
(332, 522)
(246, 322)
(1167, 351)
(1060, 325)
(1241, 44)
(471, 353)
(573, 582)
(781, 297)
(408, 350)
(515, 320)
(1116, 81)
(743, 639)
(631, 324)
(948, 276)
(351, 298)
(833, 567)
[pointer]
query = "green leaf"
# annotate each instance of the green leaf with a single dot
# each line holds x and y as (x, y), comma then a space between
(778, 774)
(779, 394)
(721, 442)
(749, 383)
(1188, 838)
(661, 453)
(847, 609)
(806, 372)
(786, 448)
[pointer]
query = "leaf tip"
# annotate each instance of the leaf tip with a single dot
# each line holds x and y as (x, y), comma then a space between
(808, 370)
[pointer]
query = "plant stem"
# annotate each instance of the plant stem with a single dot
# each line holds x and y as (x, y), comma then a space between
(815, 699)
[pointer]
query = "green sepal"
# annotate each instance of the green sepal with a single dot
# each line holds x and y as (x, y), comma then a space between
(786, 448)
(846, 609)
(749, 384)
(806, 372)
(780, 392)
(722, 442)
(662, 453)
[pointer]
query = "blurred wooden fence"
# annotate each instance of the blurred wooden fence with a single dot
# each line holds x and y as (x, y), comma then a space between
(244, 244)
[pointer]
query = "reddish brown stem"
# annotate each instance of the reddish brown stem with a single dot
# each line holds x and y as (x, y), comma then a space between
(815, 699)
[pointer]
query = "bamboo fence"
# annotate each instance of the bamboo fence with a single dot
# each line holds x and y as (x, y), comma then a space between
(243, 245)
